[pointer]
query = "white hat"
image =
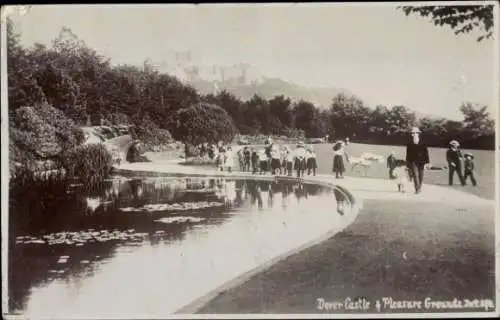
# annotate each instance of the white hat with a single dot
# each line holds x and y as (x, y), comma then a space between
(415, 130)
(454, 143)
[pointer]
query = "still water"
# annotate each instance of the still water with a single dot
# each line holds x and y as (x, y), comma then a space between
(151, 246)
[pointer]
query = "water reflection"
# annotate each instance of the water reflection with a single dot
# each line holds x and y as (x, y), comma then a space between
(92, 239)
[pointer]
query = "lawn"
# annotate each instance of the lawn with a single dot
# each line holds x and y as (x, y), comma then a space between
(484, 159)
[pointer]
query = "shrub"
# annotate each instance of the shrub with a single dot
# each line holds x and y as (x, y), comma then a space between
(90, 163)
(42, 131)
(150, 134)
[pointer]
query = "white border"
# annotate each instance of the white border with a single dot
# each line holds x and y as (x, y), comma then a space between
(496, 84)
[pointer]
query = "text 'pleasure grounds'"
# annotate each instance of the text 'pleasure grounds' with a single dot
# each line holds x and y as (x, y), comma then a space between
(388, 303)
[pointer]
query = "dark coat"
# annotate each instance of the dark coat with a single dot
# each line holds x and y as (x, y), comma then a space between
(417, 154)
(453, 156)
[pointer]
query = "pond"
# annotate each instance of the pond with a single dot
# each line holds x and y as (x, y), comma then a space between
(140, 246)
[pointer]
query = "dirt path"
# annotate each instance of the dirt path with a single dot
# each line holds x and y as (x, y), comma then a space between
(437, 244)
(391, 250)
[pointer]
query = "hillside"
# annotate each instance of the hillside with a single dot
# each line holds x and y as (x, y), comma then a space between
(270, 87)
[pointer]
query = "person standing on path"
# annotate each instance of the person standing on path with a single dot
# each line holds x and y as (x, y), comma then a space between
(391, 164)
(255, 161)
(469, 168)
(300, 159)
(338, 159)
(246, 159)
(417, 158)
(311, 162)
(229, 159)
(454, 158)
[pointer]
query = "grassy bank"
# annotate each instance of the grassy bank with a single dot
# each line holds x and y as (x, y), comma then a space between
(407, 251)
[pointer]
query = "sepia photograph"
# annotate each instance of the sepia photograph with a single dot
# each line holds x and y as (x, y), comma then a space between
(250, 160)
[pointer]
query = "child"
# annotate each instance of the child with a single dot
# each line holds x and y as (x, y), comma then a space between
(229, 159)
(400, 174)
(391, 161)
(246, 159)
(263, 161)
(255, 161)
(289, 161)
(311, 161)
(300, 160)
(338, 159)
(284, 153)
(275, 159)
(469, 169)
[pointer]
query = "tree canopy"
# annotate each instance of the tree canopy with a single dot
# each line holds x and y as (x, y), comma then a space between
(87, 89)
(461, 18)
(203, 123)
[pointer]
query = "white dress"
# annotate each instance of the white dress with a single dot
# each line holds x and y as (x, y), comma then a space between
(229, 159)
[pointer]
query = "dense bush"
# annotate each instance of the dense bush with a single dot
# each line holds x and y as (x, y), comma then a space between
(90, 163)
(150, 134)
(42, 132)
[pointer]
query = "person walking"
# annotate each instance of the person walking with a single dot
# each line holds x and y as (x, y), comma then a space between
(469, 168)
(417, 158)
(454, 158)
(391, 164)
(338, 159)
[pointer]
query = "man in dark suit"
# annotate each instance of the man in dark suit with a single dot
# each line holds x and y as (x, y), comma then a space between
(417, 157)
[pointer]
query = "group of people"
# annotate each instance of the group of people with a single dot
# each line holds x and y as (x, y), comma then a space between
(283, 160)
(417, 160)
(278, 159)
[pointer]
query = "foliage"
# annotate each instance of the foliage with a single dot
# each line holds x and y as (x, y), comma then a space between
(87, 89)
(150, 134)
(43, 132)
(461, 18)
(477, 120)
(90, 163)
(203, 123)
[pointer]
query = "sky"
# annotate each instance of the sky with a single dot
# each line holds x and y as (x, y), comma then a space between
(374, 51)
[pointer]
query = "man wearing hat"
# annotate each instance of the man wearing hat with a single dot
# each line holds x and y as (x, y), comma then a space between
(454, 158)
(417, 157)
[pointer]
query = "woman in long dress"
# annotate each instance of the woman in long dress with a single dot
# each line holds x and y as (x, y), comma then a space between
(338, 159)
(275, 159)
(229, 159)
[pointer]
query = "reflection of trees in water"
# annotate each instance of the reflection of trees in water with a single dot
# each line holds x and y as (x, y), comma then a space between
(30, 265)
(35, 265)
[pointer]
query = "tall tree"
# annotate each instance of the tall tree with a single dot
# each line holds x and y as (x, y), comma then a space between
(477, 120)
(305, 118)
